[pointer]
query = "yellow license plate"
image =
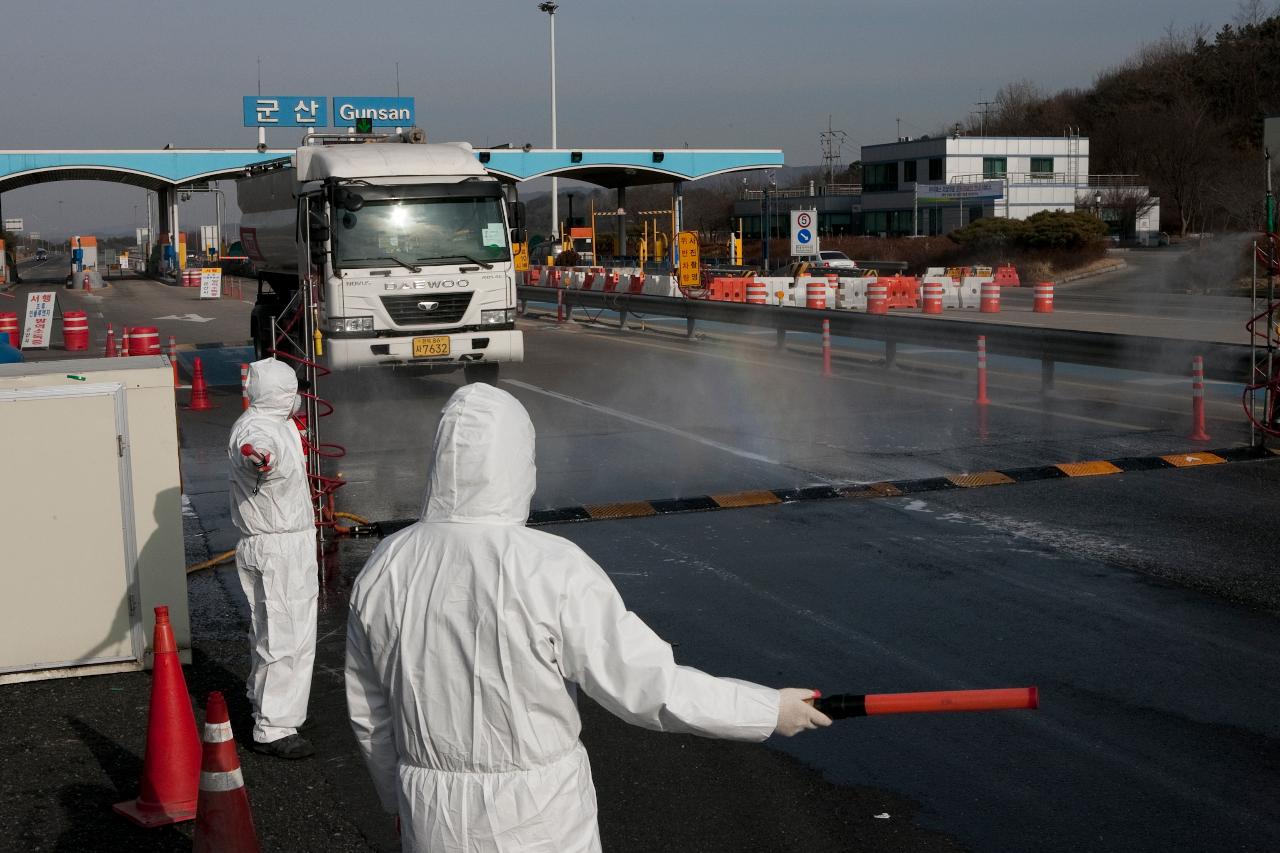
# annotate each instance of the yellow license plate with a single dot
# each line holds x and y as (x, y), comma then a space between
(430, 346)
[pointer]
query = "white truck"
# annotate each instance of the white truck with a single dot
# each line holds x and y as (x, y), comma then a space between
(407, 246)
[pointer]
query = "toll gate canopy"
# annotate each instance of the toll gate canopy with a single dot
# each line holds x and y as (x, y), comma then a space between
(174, 168)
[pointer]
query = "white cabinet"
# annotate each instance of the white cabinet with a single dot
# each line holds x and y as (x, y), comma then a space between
(90, 515)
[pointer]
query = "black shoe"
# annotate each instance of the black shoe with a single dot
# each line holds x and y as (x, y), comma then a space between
(291, 748)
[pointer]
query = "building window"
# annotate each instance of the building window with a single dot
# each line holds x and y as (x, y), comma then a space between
(879, 177)
(994, 167)
(1042, 167)
(936, 172)
(909, 171)
(975, 212)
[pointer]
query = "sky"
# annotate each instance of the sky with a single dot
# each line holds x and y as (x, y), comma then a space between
(663, 73)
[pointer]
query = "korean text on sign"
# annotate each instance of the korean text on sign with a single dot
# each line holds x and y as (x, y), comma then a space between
(286, 111)
(35, 333)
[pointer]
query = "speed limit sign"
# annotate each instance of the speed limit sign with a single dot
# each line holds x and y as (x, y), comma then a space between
(804, 233)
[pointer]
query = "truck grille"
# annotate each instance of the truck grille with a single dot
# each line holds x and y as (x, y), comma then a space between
(404, 310)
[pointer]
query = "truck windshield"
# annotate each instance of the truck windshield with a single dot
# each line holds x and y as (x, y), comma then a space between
(422, 231)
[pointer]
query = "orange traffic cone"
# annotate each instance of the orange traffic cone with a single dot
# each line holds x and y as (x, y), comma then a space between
(125, 340)
(244, 386)
(199, 391)
(111, 343)
(171, 766)
(224, 821)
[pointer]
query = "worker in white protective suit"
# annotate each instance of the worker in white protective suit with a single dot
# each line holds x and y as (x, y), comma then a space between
(466, 634)
(276, 557)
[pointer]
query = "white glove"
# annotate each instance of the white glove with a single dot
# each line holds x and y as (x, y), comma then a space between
(795, 714)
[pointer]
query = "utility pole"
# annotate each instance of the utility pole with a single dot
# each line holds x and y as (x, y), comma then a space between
(832, 144)
(986, 108)
(550, 8)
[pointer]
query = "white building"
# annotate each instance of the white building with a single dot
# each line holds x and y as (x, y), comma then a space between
(930, 186)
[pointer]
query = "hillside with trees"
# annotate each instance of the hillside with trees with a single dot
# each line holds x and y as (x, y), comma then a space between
(1186, 113)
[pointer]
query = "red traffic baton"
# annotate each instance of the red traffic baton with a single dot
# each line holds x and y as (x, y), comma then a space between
(249, 451)
(843, 705)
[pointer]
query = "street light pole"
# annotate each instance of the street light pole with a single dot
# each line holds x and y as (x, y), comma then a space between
(550, 9)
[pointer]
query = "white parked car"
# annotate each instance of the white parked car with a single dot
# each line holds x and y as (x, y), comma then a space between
(835, 259)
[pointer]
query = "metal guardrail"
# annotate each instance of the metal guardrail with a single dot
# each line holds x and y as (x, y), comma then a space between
(1169, 356)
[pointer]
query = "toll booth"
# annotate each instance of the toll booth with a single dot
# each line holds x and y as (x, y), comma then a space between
(90, 516)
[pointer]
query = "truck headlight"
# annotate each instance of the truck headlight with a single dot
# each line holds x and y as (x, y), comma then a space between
(350, 324)
(498, 316)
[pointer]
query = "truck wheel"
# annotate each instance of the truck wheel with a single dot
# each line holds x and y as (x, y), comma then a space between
(486, 372)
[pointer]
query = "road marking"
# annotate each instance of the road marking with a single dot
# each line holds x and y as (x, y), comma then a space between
(187, 318)
(926, 391)
(645, 422)
(1193, 460)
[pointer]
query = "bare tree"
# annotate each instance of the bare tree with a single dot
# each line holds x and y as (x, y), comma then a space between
(1251, 13)
(1122, 205)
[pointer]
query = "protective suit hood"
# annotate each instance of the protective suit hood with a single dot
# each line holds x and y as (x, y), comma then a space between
(271, 387)
(483, 470)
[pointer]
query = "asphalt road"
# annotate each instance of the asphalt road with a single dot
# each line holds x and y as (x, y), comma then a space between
(1144, 605)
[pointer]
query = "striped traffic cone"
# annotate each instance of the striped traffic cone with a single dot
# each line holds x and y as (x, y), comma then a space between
(982, 371)
(1197, 400)
(171, 764)
(173, 360)
(199, 390)
(111, 343)
(224, 821)
(244, 386)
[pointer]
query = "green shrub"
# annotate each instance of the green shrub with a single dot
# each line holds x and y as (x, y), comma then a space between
(992, 232)
(1055, 229)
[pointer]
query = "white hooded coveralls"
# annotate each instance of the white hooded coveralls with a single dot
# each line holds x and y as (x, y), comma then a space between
(276, 555)
(464, 632)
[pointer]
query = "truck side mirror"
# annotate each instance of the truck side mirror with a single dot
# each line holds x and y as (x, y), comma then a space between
(519, 235)
(318, 229)
(515, 215)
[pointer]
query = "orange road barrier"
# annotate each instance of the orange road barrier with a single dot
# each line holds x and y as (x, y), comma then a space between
(844, 705)
(877, 297)
(903, 291)
(1044, 297)
(9, 326)
(990, 301)
(982, 371)
(757, 292)
(224, 821)
(75, 331)
(1007, 276)
(815, 293)
(1197, 400)
(933, 297)
(171, 764)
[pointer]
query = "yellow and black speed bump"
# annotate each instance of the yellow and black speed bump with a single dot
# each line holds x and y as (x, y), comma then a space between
(894, 488)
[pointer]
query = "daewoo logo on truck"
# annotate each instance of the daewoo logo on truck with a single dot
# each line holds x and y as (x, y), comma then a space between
(425, 285)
